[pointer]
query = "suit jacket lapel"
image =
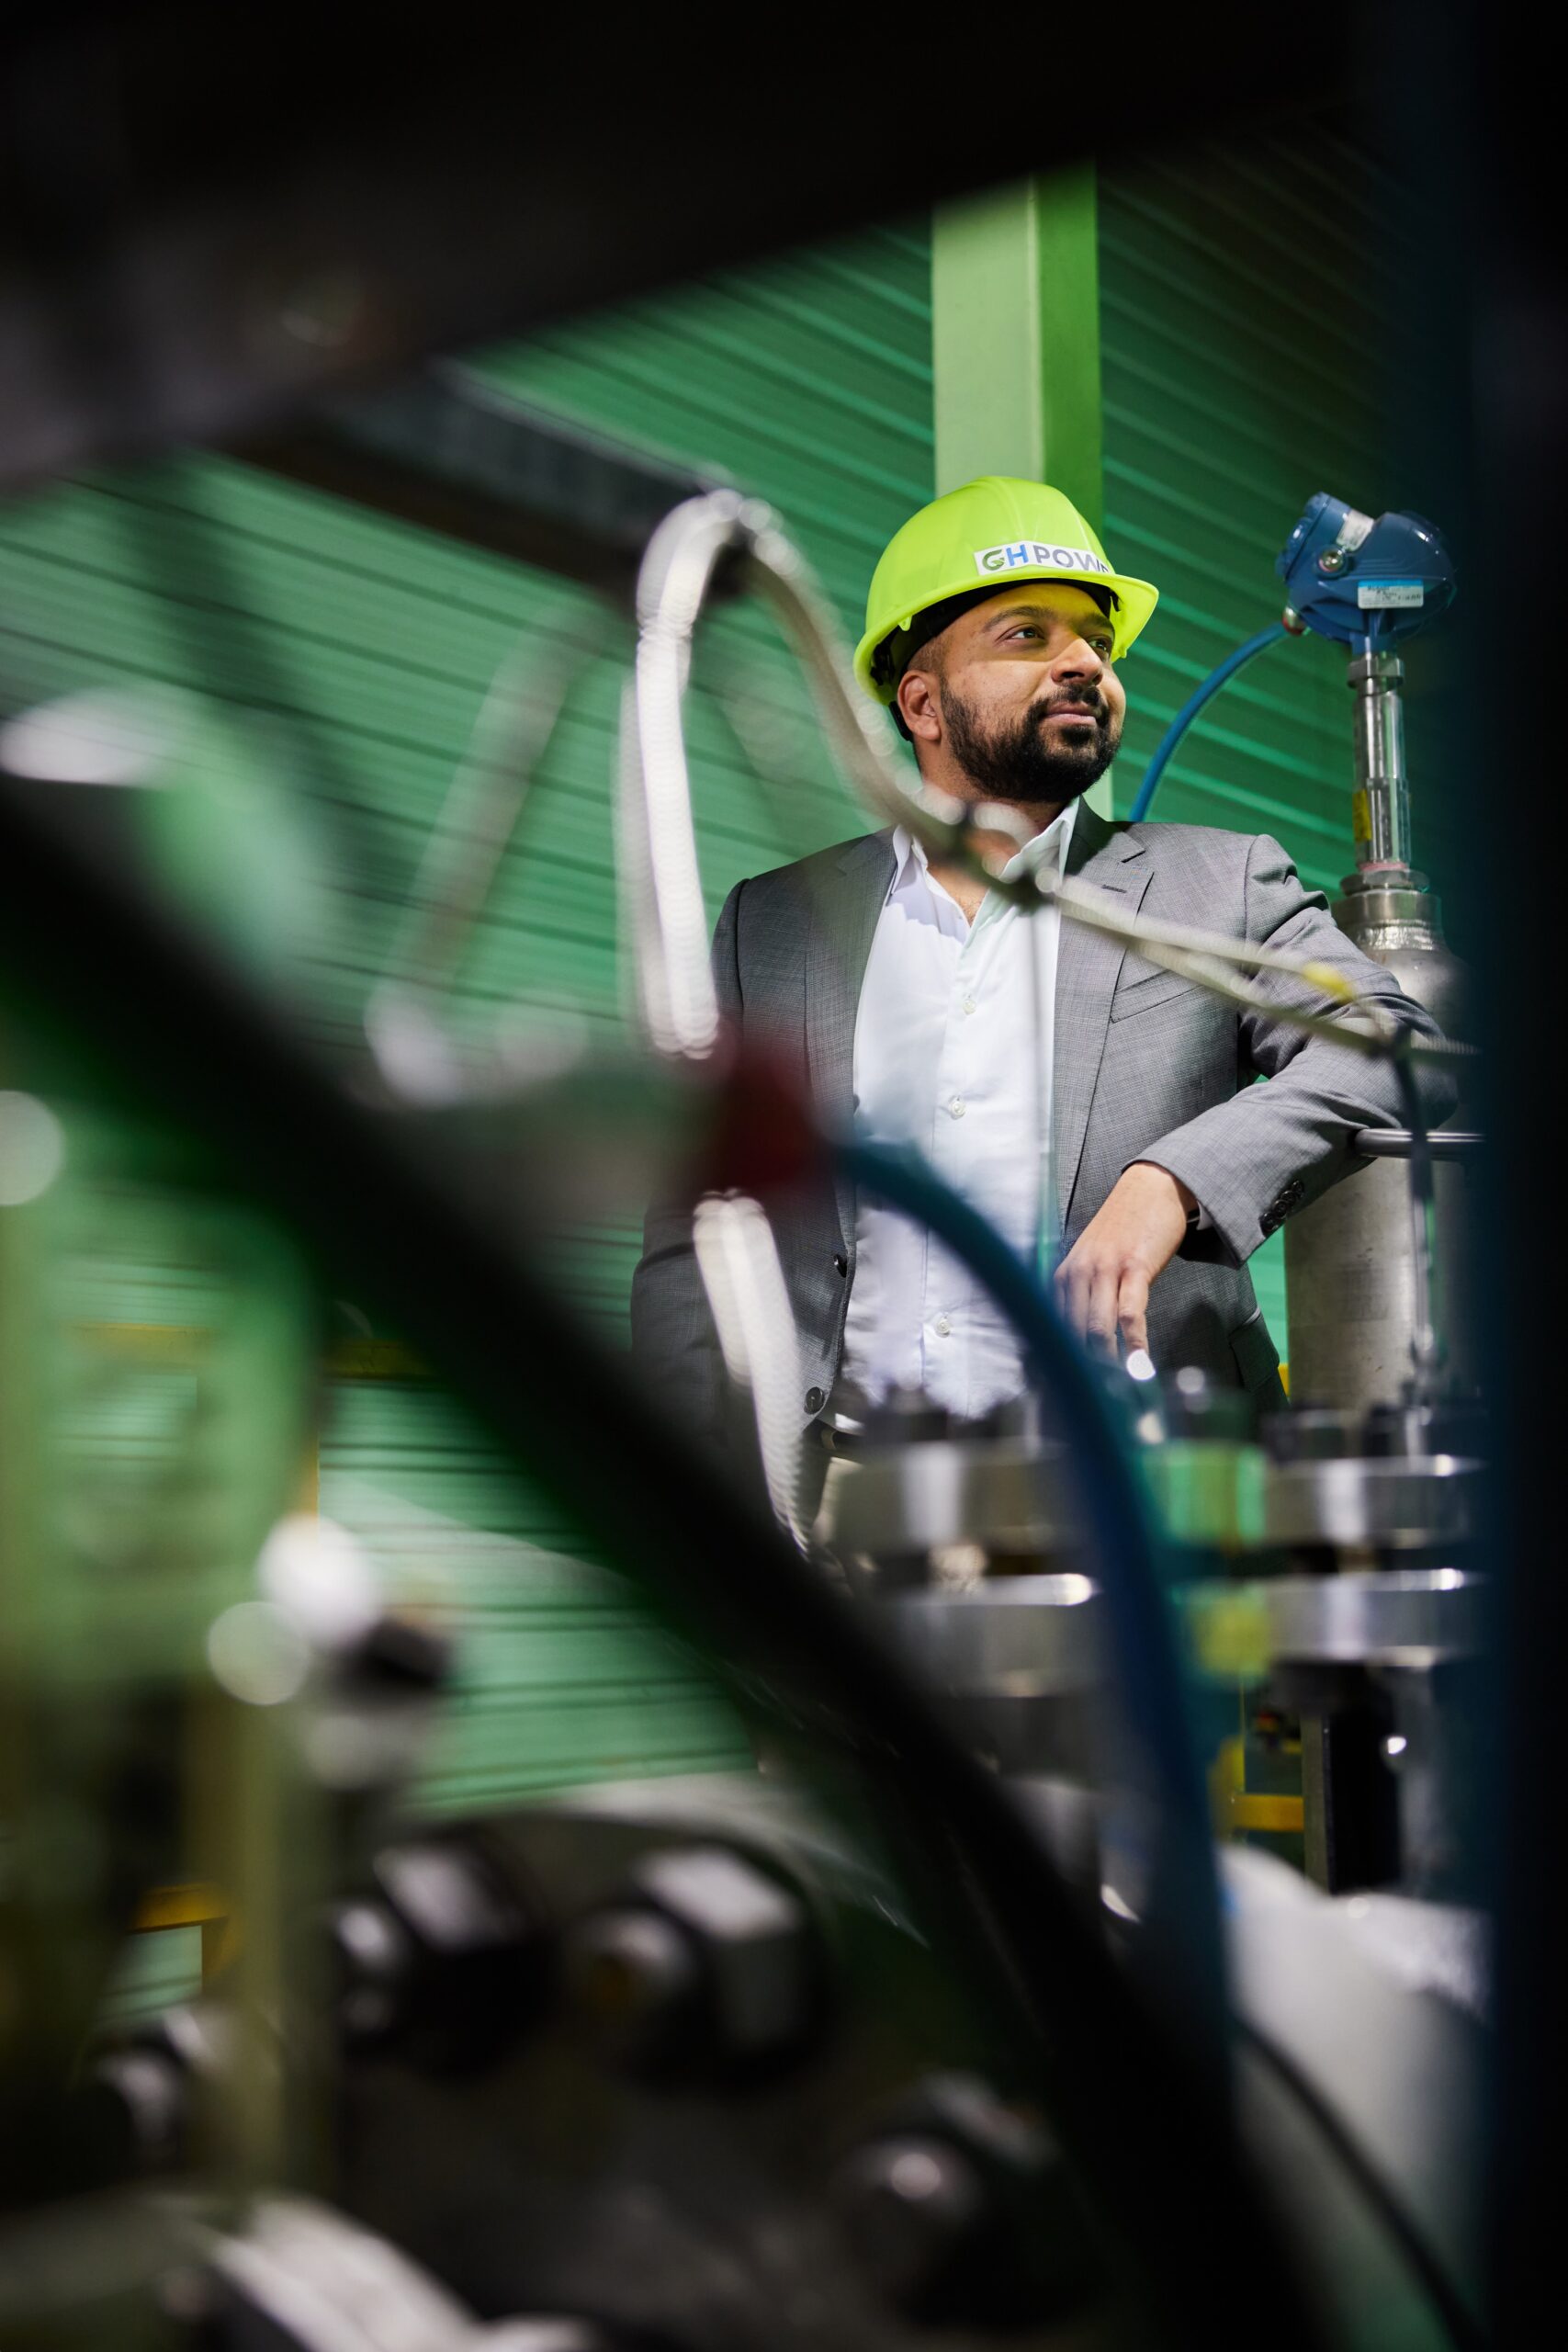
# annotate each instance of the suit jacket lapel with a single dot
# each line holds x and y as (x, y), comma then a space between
(1088, 963)
(843, 922)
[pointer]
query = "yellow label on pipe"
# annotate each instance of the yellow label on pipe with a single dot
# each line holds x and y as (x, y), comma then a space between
(1361, 814)
(1279, 1814)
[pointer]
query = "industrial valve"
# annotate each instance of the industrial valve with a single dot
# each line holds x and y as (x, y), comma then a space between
(1350, 576)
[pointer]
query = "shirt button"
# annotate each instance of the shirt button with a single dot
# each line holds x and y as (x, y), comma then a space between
(969, 1005)
(943, 1325)
(956, 1108)
(815, 1400)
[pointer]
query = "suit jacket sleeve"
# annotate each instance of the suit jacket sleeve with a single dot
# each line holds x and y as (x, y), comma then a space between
(673, 1340)
(1251, 1161)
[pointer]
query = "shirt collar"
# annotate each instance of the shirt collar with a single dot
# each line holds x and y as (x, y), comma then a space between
(1048, 847)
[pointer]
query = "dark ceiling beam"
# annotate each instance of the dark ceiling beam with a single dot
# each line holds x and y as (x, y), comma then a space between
(445, 451)
(208, 216)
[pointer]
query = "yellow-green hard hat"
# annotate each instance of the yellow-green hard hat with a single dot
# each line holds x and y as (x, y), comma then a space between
(992, 531)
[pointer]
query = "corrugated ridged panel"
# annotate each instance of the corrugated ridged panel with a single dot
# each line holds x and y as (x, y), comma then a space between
(153, 1971)
(370, 647)
(1243, 321)
(562, 1676)
(808, 379)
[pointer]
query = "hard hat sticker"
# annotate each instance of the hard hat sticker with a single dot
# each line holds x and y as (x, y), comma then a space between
(1033, 554)
(1389, 595)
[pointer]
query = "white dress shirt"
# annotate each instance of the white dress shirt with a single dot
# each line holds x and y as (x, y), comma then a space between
(953, 1054)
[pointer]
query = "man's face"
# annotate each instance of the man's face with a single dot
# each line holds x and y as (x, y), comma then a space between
(1022, 693)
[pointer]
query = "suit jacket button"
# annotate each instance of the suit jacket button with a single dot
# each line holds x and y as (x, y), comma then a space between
(840, 1264)
(815, 1400)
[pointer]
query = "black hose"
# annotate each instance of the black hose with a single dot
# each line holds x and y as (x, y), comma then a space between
(1143, 1661)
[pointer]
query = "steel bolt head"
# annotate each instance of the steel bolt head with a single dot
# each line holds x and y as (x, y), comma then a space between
(445, 1901)
(375, 1959)
(136, 2106)
(753, 1938)
(628, 1974)
(438, 1959)
(703, 1962)
(909, 2204)
(960, 2212)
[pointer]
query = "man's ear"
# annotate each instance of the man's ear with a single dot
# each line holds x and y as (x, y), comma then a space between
(917, 700)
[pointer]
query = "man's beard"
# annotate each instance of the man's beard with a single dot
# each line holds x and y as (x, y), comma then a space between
(1019, 761)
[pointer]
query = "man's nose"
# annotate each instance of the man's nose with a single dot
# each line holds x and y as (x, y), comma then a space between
(1078, 660)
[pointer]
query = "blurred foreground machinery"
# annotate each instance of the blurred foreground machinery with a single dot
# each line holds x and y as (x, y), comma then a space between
(948, 2027)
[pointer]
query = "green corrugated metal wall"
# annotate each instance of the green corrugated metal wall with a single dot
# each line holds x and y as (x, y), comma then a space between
(1242, 316)
(370, 646)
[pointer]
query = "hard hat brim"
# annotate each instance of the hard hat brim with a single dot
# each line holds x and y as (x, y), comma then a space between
(1136, 601)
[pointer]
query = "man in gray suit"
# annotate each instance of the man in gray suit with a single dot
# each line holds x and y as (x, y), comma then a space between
(1073, 1090)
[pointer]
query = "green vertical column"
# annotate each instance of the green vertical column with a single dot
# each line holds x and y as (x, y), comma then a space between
(1015, 336)
(1015, 342)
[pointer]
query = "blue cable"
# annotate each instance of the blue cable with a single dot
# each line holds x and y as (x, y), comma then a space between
(1143, 1650)
(1190, 709)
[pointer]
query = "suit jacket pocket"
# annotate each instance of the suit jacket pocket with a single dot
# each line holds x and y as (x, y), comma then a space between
(1257, 1357)
(1157, 988)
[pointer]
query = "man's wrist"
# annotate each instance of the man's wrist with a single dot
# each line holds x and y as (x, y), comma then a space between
(1197, 1215)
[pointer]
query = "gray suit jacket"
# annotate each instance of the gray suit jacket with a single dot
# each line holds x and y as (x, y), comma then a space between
(1148, 1066)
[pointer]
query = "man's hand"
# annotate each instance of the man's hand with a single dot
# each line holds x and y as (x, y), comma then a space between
(1102, 1283)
